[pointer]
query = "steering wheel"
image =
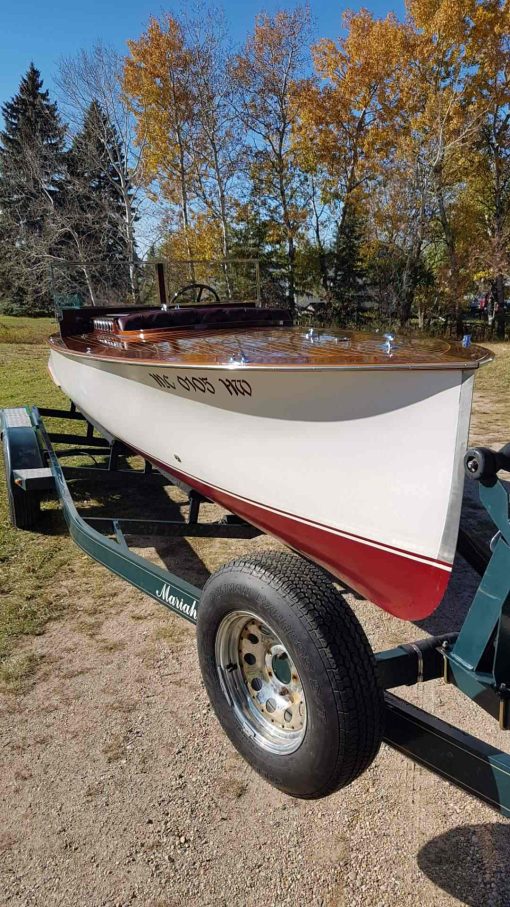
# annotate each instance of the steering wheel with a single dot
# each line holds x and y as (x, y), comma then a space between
(193, 287)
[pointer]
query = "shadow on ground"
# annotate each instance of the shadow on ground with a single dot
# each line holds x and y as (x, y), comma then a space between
(471, 864)
(122, 497)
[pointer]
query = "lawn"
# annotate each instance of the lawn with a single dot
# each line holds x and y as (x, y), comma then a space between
(29, 562)
(495, 378)
(35, 566)
(25, 330)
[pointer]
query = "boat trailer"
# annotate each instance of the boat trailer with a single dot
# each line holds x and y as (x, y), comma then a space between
(476, 660)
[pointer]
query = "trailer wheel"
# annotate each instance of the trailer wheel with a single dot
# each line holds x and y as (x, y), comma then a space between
(24, 506)
(290, 673)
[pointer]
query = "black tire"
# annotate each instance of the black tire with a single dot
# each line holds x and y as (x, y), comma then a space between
(334, 661)
(24, 506)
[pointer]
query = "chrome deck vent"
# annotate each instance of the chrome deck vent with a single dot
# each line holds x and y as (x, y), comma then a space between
(104, 324)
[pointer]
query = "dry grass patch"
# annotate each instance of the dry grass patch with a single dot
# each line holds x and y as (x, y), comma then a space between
(18, 671)
(170, 632)
(18, 329)
(115, 748)
(111, 645)
(491, 410)
(235, 788)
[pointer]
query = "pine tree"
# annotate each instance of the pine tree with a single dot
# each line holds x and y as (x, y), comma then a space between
(96, 211)
(349, 274)
(31, 165)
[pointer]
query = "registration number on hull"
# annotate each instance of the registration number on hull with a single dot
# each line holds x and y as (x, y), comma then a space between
(193, 384)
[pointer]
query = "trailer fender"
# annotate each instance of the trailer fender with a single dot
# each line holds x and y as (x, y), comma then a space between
(21, 451)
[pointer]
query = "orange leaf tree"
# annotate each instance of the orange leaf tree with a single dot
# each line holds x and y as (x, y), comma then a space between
(340, 133)
(158, 83)
(264, 72)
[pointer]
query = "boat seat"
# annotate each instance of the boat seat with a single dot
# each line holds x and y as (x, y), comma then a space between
(200, 316)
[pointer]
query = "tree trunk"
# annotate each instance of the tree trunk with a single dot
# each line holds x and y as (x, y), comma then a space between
(406, 303)
(129, 228)
(226, 253)
(454, 288)
(184, 201)
(323, 263)
(291, 254)
(223, 220)
(185, 223)
(499, 287)
(410, 279)
(90, 285)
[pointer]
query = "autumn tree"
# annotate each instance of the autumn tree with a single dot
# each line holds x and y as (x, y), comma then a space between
(386, 173)
(218, 144)
(486, 197)
(428, 124)
(340, 127)
(265, 72)
(158, 82)
(399, 220)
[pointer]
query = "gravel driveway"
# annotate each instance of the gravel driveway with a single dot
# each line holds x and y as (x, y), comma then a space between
(118, 786)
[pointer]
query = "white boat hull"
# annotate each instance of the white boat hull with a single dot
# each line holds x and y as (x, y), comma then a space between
(360, 470)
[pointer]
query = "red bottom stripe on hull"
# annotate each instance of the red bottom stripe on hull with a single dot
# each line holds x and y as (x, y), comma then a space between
(405, 587)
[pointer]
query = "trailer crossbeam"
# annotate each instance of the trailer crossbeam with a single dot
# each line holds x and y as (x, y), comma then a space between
(177, 528)
(465, 761)
(83, 440)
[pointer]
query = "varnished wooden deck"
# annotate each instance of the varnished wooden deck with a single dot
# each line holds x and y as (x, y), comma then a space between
(273, 347)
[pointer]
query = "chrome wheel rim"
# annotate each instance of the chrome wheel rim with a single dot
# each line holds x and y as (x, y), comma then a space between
(261, 682)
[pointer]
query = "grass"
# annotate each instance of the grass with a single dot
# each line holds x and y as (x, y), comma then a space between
(25, 330)
(494, 379)
(23, 362)
(491, 410)
(18, 671)
(34, 566)
(30, 563)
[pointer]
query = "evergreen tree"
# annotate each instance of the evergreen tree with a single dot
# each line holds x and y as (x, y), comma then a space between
(348, 269)
(31, 165)
(253, 238)
(96, 213)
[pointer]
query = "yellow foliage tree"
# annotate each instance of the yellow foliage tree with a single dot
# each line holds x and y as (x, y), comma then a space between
(264, 73)
(340, 125)
(398, 146)
(486, 195)
(205, 240)
(389, 116)
(158, 83)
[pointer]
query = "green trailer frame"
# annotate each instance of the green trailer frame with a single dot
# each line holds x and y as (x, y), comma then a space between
(476, 660)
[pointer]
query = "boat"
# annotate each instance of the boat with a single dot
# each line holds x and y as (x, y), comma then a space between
(346, 446)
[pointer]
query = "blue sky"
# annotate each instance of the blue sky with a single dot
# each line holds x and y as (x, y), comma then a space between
(46, 31)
